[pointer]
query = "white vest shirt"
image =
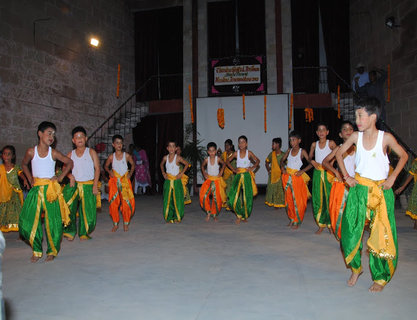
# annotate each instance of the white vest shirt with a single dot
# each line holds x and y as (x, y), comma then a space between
(294, 162)
(171, 167)
(43, 167)
(83, 169)
(120, 166)
(243, 162)
(213, 170)
(320, 154)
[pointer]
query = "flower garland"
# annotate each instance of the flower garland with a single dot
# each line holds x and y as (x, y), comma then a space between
(309, 114)
(220, 117)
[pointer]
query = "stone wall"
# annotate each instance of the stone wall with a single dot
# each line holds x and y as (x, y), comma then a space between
(48, 71)
(375, 45)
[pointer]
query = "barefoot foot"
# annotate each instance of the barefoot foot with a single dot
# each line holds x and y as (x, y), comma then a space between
(115, 227)
(49, 258)
(353, 278)
(125, 227)
(294, 227)
(34, 259)
(376, 287)
(208, 217)
(320, 230)
(237, 221)
(215, 219)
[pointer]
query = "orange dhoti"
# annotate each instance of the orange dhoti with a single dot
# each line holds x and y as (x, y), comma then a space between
(296, 195)
(337, 204)
(121, 195)
(212, 195)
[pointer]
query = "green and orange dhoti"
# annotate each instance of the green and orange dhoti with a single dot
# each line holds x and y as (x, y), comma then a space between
(367, 201)
(45, 197)
(173, 199)
(337, 205)
(322, 183)
(296, 195)
(121, 195)
(212, 195)
(242, 192)
(81, 198)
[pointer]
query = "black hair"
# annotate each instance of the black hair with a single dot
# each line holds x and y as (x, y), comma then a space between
(78, 129)
(211, 145)
(12, 150)
(295, 134)
(242, 137)
(344, 123)
(230, 143)
(172, 141)
(371, 106)
(116, 136)
(45, 125)
(277, 140)
(322, 124)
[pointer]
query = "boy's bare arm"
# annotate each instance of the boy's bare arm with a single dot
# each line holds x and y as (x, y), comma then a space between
(311, 154)
(405, 184)
(328, 163)
(26, 159)
(353, 139)
(390, 141)
(68, 163)
(255, 161)
(107, 166)
(223, 165)
(132, 165)
(283, 159)
(70, 175)
(164, 159)
(203, 168)
(186, 165)
(308, 167)
(97, 172)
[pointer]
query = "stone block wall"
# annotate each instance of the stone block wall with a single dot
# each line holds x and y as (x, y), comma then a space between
(49, 72)
(376, 45)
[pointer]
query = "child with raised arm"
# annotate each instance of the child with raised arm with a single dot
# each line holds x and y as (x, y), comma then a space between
(120, 188)
(243, 182)
(295, 181)
(82, 191)
(11, 195)
(322, 179)
(45, 195)
(173, 187)
(412, 202)
(370, 198)
(229, 150)
(339, 191)
(212, 193)
(274, 191)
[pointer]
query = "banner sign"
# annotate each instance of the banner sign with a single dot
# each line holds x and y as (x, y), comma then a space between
(237, 75)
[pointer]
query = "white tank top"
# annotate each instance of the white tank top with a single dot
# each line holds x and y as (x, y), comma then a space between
(120, 166)
(83, 169)
(43, 167)
(213, 170)
(320, 154)
(372, 164)
(294, 162)
(171, 167)
(243, 162)
(349, 162)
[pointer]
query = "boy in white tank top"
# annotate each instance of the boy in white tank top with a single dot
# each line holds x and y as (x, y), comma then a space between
(339, 191)
(370, 198)
(120, 188)
(243, 181)
(322, 179)
(212, 191)
(45, 194)
(173, 186)
(82, 191)
(295, 181)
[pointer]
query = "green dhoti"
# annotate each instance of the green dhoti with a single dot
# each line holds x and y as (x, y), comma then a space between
(81, 198)
(240, 197)
(370, 202)
(173, 200)
(320, 197)
(30, 221)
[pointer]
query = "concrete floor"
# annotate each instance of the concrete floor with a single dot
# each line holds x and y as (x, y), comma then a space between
(199, 270)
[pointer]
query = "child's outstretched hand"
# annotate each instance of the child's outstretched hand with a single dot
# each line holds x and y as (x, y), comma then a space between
(299, 173)
(179, 175)
(165, 175)
(95, 189)
(315, 164)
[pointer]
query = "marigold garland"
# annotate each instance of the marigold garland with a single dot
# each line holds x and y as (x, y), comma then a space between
(220, 117)
(309, 114)
(243, 105)
(265, 113)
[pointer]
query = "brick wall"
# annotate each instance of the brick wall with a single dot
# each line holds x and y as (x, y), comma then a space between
(48, 71)
(375, 45)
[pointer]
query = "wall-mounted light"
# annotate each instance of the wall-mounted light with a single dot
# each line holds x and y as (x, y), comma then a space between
(390, 23)
(94, 42)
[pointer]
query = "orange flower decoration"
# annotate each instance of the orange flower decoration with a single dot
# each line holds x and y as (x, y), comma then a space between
(220, 117)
